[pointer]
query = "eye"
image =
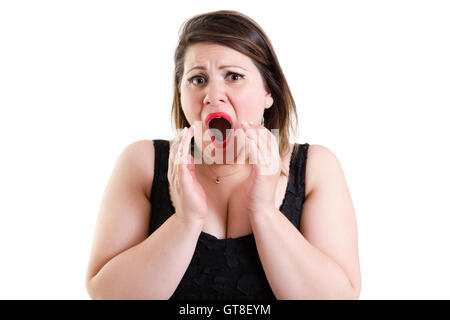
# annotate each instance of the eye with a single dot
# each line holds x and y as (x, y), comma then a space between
(235, 75)
(195, 80)
(200, 79)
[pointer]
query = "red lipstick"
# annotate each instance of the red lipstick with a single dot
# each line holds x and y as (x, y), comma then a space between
(219, 144)
(218, 115)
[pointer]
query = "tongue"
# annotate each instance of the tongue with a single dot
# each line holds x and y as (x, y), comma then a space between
(220, 124)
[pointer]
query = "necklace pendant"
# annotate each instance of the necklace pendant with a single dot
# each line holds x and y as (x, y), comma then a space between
(217, 180)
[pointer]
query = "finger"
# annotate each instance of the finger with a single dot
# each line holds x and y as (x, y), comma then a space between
(183, 151)
(272, 161)
(258, 134)
(252, 151)
(240, 143)
(272, 155)
(175, 144)
(254, 157)
(268, 163)
(251, 131)
(172, 155)
(267, 144)
(178, 158)
(185, 145)
(274, 146)
(179, 150)
(254, 167)
(187, 167)
(191, 164)
(249, 134)
(264, 145)
(267, 153)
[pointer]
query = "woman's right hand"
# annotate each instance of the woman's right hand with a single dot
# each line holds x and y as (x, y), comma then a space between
(186, 193)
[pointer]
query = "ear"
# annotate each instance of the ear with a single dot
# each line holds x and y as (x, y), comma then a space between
(268, 98)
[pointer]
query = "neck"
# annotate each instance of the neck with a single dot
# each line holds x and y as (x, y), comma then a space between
(228, 173)
(232, 154)
(228, 163)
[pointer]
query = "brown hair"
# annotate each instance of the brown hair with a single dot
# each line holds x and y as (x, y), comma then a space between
(239, 32)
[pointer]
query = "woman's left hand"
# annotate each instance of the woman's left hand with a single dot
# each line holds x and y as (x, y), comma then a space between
(266, 164)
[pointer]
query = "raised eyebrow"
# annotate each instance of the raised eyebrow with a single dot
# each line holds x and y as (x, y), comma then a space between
(220, 68)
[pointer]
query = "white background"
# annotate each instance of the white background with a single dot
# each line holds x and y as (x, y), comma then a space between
(80, 80)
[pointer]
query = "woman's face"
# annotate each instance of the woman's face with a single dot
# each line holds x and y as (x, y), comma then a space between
(219, 79)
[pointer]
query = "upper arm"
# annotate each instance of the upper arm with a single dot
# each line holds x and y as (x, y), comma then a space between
(124, 214)
(328, 218)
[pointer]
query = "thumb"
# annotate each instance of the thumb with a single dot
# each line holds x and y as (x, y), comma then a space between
(255, 160)
(190, 164)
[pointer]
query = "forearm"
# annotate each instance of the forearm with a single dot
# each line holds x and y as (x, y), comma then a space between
(151, 269)
(294, 268)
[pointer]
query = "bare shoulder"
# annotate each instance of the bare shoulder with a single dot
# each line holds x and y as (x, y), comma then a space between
(321, 166)
(124, 213)
(140, 155)
(328, 219)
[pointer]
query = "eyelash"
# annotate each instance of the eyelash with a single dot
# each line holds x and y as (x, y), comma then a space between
(190, 80)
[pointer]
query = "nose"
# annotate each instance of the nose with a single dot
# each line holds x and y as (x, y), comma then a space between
(215, 94)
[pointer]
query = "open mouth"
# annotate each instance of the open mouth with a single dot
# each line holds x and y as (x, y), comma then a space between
(219, 128)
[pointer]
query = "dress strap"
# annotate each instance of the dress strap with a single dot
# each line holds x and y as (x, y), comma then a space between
(295, 193)
(162, 207)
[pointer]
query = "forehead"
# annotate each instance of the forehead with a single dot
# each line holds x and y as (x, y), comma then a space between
(206, 53)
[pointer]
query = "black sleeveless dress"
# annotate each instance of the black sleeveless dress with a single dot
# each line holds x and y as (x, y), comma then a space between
(225, 268)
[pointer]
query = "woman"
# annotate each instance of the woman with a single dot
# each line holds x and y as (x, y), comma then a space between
(234, 213)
